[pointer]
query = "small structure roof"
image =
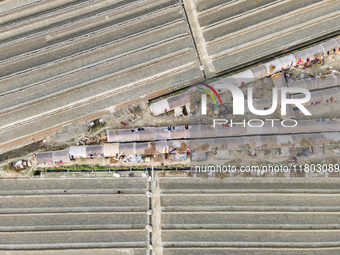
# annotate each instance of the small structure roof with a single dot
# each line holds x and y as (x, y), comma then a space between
(279, 82)
(259, 72)
(78, 151)
(148, 134)
(45, 158)
(110, 149)
(52, 157)
(94, 150)
(61, 156)
(325, 81)
(170, 103)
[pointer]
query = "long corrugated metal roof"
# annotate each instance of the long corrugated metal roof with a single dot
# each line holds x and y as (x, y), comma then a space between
(205, 131)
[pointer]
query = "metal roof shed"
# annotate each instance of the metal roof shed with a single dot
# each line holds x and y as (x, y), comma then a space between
(127, 148)
(259, 72)
(245, 77)
(45, 157)
(148, 134)
(279, 82)
(316, 50)
(78, 151)
(298, 84)
(175, 101)
(238, 129)
(186, 97)
(231, 80)
(142, 148)
(317, 96)
(162, 134)
(315, 126)
(255, 129)
(170, 103)
(164, 147)
(121, 135)
(331, 126)
(306, 140)
(178, 145)
(320, 139)
(329, 46)
(178, 133)
(296, 141)
(270, 128)
(219, 131)
(287, 60)
(159, 107)
(332, 92)
(333, 136)
(303, 54)
(253, 141)
(198, 131)
(302, 127)
(110, 149)
(311, 83)
(219, 144)
(233, 143)
(273, 66)
(338, 41)
(94, 150)
(61, 156)
(327, 81)
(210, 131)
(201, 145)
(269, 142)
(285, 140)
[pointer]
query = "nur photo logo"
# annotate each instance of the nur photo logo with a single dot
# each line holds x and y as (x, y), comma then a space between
(238, 100)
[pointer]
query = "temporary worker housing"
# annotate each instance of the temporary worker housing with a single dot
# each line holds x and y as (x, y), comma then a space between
(53, 157)
(321, 96)
(264, 142)
(215, 143)
(208, 131)
(319, 82)
(148, 134)
(111, 150)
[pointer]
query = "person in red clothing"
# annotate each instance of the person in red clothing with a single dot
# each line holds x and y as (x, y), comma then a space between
(123, 123)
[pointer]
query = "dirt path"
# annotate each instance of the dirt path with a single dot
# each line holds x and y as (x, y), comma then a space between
(156, 222)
